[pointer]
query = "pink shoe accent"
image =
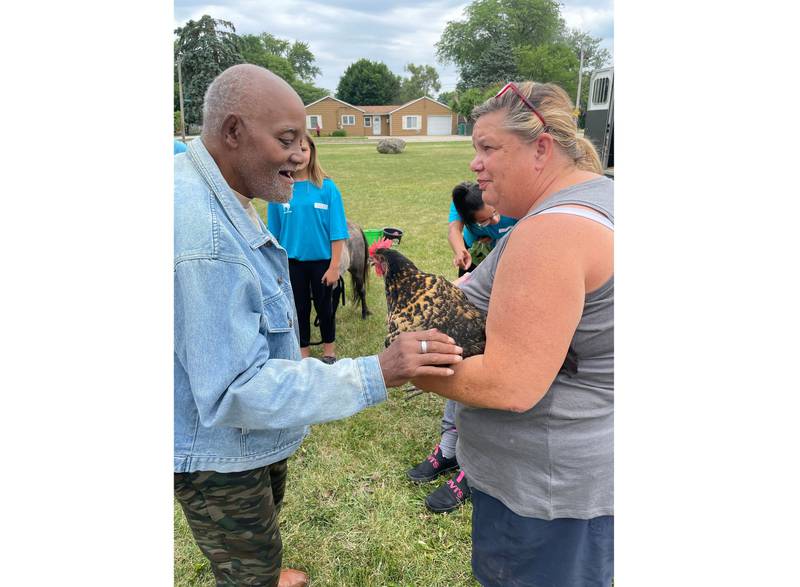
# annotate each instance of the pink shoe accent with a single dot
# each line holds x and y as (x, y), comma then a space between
(454, 488)
(432, 459)
(460, 477)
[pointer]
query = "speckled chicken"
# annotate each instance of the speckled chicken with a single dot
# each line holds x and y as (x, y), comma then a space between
(417, 300)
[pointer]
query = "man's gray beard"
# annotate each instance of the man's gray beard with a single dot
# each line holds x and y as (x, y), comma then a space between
(277, 197)
(273, 190)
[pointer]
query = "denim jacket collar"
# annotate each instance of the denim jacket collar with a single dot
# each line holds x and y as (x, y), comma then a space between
(207, 167)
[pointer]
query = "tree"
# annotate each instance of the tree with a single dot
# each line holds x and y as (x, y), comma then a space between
(482, 45)
(274, 45)
(260, 50)
(294, 62)
(464, 102)
(367, 83)
(309, 92)
(594, 57)
(497, 64)
(302, 60)
(447, 97)
(424, 81)
(205, 48)
(280, 56)
(503, 40)
(553, 63)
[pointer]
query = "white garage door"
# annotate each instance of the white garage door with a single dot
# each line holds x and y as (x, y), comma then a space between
(440, 125)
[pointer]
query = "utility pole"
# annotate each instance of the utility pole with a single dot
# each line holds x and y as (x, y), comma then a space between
(180, 97)
(580, 78)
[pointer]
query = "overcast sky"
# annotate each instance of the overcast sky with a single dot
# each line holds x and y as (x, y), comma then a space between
(340, 32)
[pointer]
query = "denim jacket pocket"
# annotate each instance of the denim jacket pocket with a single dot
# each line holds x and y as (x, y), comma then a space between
(278, 313)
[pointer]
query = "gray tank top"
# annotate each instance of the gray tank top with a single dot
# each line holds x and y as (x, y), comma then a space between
(557, 459)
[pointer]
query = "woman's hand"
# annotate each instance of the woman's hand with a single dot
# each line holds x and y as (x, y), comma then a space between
(331, 276)
(407, 357)
(462, 259)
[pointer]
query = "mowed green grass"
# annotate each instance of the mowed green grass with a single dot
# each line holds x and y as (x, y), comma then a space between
(350, 517)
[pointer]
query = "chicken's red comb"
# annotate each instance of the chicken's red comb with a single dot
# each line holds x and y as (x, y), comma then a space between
(384, 243)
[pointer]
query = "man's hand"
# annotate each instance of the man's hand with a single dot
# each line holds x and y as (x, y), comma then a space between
(331, 276)
(462, 259)
(405, 358)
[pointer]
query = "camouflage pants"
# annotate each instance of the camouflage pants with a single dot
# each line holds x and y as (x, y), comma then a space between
(234, 520)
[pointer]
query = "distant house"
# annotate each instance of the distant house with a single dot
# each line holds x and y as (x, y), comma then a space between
(423, 116)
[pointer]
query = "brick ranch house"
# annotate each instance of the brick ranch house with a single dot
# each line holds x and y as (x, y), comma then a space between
(423, 116)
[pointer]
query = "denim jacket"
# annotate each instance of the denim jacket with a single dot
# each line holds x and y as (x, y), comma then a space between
(243, 396)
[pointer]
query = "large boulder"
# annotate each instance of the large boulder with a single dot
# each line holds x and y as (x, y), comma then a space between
(391, 145)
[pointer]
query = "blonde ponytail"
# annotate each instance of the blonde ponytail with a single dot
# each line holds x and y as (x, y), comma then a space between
(588, 159)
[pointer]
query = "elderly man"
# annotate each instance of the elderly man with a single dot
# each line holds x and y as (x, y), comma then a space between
(243, 396)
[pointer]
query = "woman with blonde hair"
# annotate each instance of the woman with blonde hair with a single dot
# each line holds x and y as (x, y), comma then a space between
(313, 229)
(536, 440)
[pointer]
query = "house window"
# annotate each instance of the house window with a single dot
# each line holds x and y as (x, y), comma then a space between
(368, 121)
(313, 120)
(412, 122)
(348, 120)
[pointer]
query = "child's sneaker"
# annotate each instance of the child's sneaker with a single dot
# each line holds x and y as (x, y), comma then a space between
(434, 465)
(449, 496)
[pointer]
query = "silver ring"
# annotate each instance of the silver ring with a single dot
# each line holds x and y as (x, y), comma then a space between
(423, 346)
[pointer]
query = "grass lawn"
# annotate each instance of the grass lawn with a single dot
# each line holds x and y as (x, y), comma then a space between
(350, 518)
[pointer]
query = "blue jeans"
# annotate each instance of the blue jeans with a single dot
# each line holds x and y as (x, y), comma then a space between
(509, 550)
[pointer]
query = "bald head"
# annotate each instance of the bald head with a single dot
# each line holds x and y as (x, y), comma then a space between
(253, 127)
(244, 90)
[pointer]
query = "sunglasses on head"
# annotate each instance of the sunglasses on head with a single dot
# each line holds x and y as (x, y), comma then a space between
(513, 87)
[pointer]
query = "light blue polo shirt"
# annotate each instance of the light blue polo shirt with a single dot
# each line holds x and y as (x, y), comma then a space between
(473, 232)
(306, 224)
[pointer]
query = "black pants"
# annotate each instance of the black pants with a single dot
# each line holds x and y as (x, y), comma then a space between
(234, 520)
(307, 286)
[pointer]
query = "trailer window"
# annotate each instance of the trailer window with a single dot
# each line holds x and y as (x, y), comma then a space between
(600, 91)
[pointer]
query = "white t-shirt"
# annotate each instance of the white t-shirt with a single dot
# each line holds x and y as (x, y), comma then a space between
(247, 204)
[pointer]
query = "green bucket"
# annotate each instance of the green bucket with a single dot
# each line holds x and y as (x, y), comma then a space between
(372, 234)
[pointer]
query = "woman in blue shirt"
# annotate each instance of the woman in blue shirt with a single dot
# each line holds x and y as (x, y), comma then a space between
(313, 229)
(473, 226)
